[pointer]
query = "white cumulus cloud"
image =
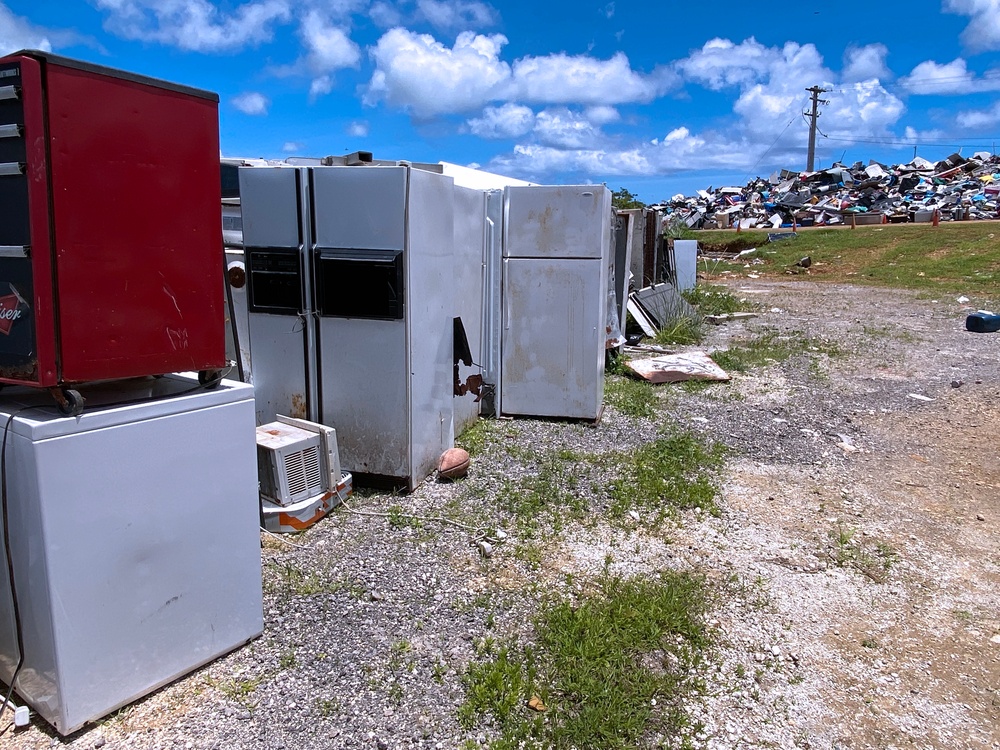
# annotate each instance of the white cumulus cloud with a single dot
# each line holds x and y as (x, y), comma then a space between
(328, 46)
(417, 73)
(290, 147)
(195, 25)
(976, 119)
(358, 129)
(507, 121)
(865, 63)
(563, 128)
(581, 79)
(948, 79)
(251, 103)
(983, 32)
(425, 77)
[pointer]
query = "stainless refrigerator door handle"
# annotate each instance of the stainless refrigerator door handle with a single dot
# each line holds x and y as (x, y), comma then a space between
(10, 131)
(10, 168)
(10, 92)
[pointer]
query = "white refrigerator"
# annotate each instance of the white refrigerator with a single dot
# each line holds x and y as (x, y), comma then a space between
(556, 256)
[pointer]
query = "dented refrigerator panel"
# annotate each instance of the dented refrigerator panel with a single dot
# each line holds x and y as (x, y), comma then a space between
(553, 337)
(277, 291)
(383, 260)
(557, 261)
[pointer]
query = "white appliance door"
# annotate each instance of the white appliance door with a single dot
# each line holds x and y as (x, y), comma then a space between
(553, 338)
(359, 207)
(566, 221)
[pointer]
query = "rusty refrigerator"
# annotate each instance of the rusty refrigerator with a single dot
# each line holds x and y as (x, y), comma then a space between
(556, 256)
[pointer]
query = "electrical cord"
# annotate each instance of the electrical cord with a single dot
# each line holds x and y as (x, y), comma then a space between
(15, 606)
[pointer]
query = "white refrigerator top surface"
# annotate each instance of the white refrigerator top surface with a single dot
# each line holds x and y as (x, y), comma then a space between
(112, 403)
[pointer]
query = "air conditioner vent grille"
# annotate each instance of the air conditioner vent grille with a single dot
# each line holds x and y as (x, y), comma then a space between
(303, 471)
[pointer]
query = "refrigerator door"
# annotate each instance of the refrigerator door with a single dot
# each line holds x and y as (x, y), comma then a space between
(360, 207)
(553, 337)
(566, 221)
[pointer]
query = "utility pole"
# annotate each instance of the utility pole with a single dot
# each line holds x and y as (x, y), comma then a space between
(816, 101)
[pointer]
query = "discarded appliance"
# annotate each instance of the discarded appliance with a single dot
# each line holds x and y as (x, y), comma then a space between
(684, 262)
(556, 268)
(89, 295)
(133, 539)
(298, 468)
(282, 333)
(675, 368)
(662, 303)
(352, 308)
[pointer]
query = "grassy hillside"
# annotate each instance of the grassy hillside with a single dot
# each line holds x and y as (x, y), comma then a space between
(953, 258)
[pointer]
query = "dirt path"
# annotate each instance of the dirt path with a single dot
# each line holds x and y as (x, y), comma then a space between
(875, 555)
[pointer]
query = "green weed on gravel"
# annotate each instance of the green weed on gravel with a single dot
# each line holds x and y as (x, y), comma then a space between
(609, 670)
(771, 346)
(711, 299)
(636, 398)
(676, 472)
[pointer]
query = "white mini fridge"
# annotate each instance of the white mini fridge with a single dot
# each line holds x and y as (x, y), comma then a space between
(556, 258)
(134, 534)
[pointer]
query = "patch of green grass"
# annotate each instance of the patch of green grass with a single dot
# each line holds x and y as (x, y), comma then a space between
(476, 436)
(238, 690)
(676, 472)
(290, 580)
(398, 519)
(548, 498)
(869, 642)
(873, 560)
(327, 707)
(597, 666)
(961, 258)
(770, 346)
(636, 398)
(680, 332)
(711, 299)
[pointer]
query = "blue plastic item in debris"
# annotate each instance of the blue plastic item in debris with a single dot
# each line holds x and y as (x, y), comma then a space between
(982, 323)
(776, 236)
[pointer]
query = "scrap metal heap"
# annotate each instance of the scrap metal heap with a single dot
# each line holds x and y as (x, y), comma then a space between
(956, 188)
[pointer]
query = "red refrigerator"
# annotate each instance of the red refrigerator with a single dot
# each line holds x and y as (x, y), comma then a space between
(110, 228)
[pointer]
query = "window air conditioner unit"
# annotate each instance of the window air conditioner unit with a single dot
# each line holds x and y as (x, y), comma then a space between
(296, 460)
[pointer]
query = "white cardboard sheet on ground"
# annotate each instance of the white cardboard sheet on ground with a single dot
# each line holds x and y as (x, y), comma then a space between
(674, 368)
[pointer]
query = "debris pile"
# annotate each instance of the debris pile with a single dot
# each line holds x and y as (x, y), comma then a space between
(953, 189)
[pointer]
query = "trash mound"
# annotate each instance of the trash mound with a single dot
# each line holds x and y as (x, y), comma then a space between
(953, 189)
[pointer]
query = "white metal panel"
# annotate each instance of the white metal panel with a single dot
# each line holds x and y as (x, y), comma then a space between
(686, 263)
(136, 553)
(278, 352)
(359, 207)
(363, 384)
(269, 205)
(492, 299)
(566, 221)
(430, 307)
(470, 238)
(553, 338)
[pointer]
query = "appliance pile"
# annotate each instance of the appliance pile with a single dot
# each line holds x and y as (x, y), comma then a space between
(955, 189)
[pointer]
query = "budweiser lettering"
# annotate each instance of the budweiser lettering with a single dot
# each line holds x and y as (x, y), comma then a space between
(10, 310)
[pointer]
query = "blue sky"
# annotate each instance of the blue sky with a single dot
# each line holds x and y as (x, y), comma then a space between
(659, 97)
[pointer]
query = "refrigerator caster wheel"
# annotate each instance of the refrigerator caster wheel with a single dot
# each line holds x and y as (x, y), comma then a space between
(71, 403)
(209, 378)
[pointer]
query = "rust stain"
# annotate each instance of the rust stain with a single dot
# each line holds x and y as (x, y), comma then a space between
(298, 406)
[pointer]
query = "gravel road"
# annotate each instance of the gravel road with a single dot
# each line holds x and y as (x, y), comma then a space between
(856, 554)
